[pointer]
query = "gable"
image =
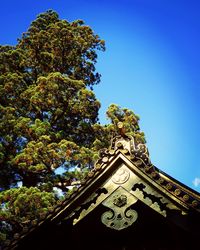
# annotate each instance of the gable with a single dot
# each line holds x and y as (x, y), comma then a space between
(118, 187)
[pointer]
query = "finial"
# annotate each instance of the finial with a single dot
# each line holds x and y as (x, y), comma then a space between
(121, 128)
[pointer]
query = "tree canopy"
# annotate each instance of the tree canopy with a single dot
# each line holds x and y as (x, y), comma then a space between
(49, 130)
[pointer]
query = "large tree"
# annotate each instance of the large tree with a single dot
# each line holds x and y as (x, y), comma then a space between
(49, 130)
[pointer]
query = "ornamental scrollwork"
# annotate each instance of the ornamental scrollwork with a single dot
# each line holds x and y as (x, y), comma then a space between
(120, 214)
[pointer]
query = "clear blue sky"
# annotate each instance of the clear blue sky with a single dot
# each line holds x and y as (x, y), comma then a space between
(151, 66)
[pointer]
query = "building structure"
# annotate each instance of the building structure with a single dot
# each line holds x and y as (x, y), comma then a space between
(125, 203)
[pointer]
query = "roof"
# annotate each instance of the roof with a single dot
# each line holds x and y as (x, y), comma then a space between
(122, 175)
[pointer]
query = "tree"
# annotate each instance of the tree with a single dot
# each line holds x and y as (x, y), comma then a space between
(49, 130)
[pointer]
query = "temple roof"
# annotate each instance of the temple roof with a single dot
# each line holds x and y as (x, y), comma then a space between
(122, 175)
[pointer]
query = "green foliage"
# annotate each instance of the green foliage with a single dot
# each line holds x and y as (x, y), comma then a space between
(22, 205)
(54, 45)
(129, 119)
(49, 130)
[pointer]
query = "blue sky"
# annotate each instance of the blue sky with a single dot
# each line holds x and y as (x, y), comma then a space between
(151, 65)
